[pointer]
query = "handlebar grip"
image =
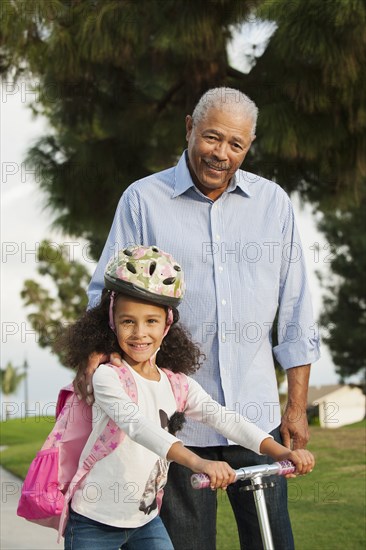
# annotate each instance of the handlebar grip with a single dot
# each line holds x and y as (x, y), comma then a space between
(286, 467)
(202, 481)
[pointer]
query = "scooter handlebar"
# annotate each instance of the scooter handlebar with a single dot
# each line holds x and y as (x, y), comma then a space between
(201, 481)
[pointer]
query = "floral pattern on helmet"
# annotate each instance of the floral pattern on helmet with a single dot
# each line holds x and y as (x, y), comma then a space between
(148, 268)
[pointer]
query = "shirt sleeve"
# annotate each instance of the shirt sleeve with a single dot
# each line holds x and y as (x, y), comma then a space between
(298, 338)
(231, 424)
(113, 400)
(125, 231)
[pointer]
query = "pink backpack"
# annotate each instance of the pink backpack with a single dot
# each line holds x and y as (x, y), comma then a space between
(54, 475)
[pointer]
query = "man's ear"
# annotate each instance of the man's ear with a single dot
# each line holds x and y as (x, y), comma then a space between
(189, 126)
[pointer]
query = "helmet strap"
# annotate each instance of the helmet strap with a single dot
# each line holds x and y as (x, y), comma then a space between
(169, 321)
(111, 315)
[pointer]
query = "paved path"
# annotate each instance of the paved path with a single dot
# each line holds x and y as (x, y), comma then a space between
(18, 533)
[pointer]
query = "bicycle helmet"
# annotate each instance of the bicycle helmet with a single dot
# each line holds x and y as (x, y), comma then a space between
(147, 273)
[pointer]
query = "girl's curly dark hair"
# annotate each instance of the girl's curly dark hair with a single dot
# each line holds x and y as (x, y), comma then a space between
(91, 333)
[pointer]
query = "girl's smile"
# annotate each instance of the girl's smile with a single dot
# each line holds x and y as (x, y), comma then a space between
(140, 328)
(139, 347)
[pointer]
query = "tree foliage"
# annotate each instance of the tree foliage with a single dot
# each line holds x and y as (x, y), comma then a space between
(310, 87)
(344, 316)
(115, 79)
(10, 379)
(60, 299)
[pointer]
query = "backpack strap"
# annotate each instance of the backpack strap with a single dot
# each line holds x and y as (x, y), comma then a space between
(63, 395)
(179, 383)
(112, 435)
(127, 380)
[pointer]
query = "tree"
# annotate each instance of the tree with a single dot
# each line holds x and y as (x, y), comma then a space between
(344, 316)
(310, 87)
(55, 309)
(10, 379)
(115, 79)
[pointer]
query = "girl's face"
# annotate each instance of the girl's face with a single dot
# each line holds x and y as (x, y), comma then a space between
(139, 327)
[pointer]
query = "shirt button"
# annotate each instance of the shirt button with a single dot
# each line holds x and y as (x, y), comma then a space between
(223, 338)
(221, 269)
(217, 237)
(223, 302)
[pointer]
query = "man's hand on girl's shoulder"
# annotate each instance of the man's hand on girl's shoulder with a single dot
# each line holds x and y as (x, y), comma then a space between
(83, 381)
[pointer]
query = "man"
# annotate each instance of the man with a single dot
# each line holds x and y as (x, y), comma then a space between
(235, 235)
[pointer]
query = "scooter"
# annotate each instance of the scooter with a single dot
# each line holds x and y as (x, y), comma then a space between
(256, 475)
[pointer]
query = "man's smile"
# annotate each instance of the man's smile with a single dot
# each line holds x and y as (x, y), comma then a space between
(216, 167)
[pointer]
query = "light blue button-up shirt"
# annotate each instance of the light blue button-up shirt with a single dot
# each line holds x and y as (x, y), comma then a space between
(243, 260)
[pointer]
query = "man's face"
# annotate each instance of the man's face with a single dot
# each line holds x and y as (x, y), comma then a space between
(217, 145)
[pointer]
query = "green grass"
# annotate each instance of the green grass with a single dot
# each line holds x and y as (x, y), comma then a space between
(327, 507)
(24, 437)
(25, 430)
(330, 510)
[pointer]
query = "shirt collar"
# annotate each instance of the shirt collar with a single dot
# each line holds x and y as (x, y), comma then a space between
(182, 176)
(240, 180)
(183, 180)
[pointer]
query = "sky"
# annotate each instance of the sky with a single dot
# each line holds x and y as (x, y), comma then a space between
(25, 221)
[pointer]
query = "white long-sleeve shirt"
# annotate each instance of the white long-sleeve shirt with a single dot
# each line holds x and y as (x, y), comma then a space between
(121, 488)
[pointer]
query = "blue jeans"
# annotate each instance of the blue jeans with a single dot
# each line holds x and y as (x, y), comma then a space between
(83, 533)
(190, 515)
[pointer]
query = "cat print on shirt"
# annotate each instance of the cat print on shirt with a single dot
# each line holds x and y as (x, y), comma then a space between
(153, 493)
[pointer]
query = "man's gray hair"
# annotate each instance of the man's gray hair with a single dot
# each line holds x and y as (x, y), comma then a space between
(227, 99)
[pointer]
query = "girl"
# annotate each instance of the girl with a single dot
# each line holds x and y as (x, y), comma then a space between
(117, 505)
